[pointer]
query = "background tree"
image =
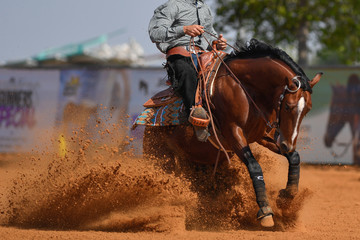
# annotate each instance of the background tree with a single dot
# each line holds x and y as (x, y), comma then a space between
(332, 25)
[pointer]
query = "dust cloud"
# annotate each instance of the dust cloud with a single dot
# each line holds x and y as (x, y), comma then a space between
(96, 182)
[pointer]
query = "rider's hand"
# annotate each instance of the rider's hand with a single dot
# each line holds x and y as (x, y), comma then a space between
(193, 30)
(221, 43)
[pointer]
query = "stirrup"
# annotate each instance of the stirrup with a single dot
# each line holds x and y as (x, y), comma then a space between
(198, 117)
(200, 120)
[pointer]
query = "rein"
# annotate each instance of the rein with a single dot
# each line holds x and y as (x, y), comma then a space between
(192, 44)
(268, 123)
(272, 125)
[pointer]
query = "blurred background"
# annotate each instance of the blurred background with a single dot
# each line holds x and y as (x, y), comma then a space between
(72, 64)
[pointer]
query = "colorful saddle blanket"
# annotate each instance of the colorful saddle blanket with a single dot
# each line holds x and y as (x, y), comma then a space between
(166, 115)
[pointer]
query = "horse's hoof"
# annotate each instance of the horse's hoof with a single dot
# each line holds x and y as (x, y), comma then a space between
(285, 198)
(265, 214)
(288, 193)
(267, 221)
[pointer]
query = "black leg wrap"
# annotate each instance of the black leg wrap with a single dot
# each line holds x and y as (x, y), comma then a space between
(294, 172)
(260, 191)
(256, 175)
(293, 158)
(264, 211)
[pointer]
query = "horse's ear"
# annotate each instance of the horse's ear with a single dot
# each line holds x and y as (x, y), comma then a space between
(316, 79)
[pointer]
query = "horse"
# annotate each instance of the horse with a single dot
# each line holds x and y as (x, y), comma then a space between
(345, 108)
(259, 95)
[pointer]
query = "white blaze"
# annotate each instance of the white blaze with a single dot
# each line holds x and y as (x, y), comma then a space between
(300, 108)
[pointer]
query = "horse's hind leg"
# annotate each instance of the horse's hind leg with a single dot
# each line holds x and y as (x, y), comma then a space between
(265, 213)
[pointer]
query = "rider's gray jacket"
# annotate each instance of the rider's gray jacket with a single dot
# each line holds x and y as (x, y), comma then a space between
(166, 25)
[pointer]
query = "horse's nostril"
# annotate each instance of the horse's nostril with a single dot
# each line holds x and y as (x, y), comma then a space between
(284, 147)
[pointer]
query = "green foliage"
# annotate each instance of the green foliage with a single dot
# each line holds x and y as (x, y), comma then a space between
(333, 24)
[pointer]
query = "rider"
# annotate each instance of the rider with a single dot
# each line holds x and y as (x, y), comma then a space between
(172, 26)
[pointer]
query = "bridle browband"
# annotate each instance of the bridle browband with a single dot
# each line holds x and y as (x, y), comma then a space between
(276, 124)
(281, 98)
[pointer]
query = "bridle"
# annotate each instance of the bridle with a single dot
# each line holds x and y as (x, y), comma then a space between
(296, 78)
(273, 125)
(276, 124)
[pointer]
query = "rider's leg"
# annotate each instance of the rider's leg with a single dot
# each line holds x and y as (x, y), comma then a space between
(186, 76)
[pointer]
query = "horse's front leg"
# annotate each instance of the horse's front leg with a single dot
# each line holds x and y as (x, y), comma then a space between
(241, 147)
(294, 167)
(265, 213)
(292, 185)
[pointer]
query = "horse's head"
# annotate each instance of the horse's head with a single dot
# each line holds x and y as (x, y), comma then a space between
(295, 105)
(339, 111)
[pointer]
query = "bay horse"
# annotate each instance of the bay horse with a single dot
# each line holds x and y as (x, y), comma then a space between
(257, 89)
(345, 108)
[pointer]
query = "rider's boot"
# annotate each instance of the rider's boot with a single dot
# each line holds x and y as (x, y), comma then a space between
(200, 120)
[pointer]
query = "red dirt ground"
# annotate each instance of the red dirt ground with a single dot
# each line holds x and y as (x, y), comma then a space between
(98, 193)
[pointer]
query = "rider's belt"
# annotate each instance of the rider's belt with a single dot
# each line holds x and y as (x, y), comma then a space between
(183, 50)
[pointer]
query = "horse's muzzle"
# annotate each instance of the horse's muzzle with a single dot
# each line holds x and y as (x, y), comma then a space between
(285, 147)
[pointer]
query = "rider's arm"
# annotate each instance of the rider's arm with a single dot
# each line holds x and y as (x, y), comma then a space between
(213, 36)
(161, 27)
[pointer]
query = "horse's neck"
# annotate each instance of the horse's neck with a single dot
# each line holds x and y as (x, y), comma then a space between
(264, 77)
(264, 73)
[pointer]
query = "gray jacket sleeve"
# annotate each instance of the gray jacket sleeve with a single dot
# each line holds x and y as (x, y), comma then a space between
(212, 30)
(160, 26)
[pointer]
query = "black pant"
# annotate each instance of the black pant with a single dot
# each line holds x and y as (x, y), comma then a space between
(183, 77)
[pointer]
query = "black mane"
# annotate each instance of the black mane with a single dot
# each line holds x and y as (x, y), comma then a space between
(256, 49)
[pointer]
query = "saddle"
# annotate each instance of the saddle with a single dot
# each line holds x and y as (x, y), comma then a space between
(209, 64)
(162, 98)
(165, 107)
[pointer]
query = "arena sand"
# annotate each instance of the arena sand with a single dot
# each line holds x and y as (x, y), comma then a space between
(92, 189)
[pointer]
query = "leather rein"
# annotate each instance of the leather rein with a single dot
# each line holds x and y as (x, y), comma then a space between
(275, 124)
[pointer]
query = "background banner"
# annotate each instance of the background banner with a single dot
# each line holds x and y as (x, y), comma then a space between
(35, 102)
(92, 100)
(316, 124)
(28, 100)
(145, 83)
